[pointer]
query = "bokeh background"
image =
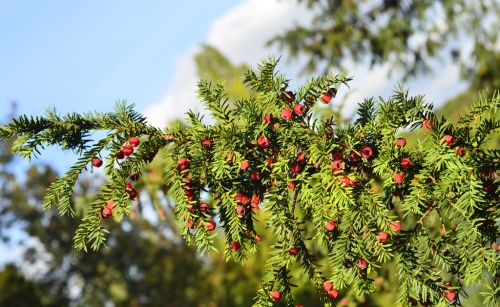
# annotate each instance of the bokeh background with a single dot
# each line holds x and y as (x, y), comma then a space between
(83, 56)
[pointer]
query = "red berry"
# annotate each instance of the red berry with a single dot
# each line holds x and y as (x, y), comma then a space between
(354, 157)
(258, 238)
(299, 109)
(127, 150)
(296, 168)
(242, 198)
(325, 97)
(204, 207)
(339, 155)
(332, 294)
(382, 236)
(294, 250)
(210, 225)
(244, 165)
(235, 245)
(132, 193)
(398, 177)
(396, 226)
(190, 224)
(289, 96)
(427, 124)
(366, 152)
(286, 114)
(182, 164)
(134, 141)
(96, 162)
(267, 119)
(206, 143)
(229, 157)
(299, 305)
(240, 211)
(450, 295)
(291, 185)
(346, 182)
(255, 202)
(449, 140)
(460, 151)
(263, 142)
(488, 187)
(106, 212)
(255, 176)
(276, 295)
(337, 165)
(330, 225)
(328, 132)
(120, 155)
(301, 157)
(344, 301)
(328, 286)
(110, 204)
(362, 264)
(405, 162)
(400, 142)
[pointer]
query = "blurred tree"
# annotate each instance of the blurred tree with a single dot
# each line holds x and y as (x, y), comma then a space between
(406, 34)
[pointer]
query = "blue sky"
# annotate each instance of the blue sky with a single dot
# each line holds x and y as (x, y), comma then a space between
(83, 55)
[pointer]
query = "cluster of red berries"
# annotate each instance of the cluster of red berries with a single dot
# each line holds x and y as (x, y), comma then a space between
(327, 96)
(188, 183)
(128, 149)
(405, 162)
(340, 165)
(331, 292)
(107, 211)
(129, 185)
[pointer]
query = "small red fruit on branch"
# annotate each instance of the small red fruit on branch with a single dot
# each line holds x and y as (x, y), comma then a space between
(207, 143)
(276, 296)
(294, 250)
(263, 141)
(366, 152)
(405, 162)
(398, 177)
(396, 226)
(400, 142)
(235, 245)
(96, 162)
(427, 124)
(299, 109)
(119, 155)
(244, 165)
(286, 114)
(204, 207)
(289, 96)
(267, 119)
(240, 211)
(330, 225)
(450, 295)
(127, 150)
(134, 141)
(362, 264)
(182, 164)
(460, 151)
(449, 140)
(210, 225)
(382, 236)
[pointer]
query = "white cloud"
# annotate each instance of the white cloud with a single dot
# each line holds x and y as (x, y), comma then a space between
(240, 34)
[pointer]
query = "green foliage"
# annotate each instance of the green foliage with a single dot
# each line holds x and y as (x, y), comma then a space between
(307, 175)
(405, 34)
